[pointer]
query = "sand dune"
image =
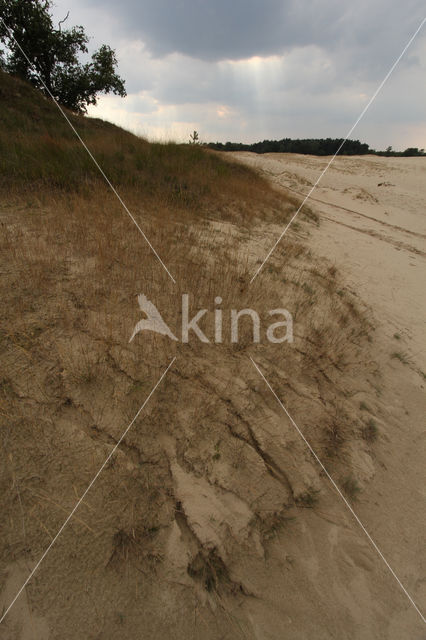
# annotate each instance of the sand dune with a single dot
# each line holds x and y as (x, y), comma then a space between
(373, 227)
(373, 211)
(213, 520)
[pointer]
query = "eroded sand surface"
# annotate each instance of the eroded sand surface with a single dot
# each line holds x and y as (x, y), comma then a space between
(215, 456)
(373, 227)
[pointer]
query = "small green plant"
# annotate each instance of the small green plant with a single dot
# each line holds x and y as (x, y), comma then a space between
(363, 406)
(370, 431)
(272, 268)
(272, 524)
(216, 455)
(308, 498)
(308, 214)
(209, 569)
(135, 387)
(335, 436)
(397, 336)
(306, 287)
(351, 487)
(401, 356)
(5, 385)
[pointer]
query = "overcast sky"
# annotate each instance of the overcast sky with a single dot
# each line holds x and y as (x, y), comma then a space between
(246, 70)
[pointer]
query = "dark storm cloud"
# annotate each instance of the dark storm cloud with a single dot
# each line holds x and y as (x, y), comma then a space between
(222, 29)
(235, 29)
(270, 68)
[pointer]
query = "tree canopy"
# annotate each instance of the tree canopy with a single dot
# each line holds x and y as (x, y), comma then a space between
(313, 146)
(54, 65)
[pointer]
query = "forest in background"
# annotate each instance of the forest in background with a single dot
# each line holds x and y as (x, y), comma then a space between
(313, 146)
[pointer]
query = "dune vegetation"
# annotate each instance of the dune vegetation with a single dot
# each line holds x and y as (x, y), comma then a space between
(212, 471)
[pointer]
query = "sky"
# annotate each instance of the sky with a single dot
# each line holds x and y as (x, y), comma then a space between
(249, 70)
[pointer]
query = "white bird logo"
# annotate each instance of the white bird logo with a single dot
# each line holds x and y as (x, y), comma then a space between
(153, 321)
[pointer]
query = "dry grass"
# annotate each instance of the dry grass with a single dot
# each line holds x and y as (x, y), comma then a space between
(70, 283)
(40, 155)
(71, 382)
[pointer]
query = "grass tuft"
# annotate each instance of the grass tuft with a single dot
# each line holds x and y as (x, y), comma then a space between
(370, 431)
(401, 356)
(351, 487)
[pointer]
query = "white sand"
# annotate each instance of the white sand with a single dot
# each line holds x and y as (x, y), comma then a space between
(377, 234)
(373, 227)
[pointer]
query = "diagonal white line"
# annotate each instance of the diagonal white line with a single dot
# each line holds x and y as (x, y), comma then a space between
(80, 500)
(373, 97)
(348, 505)
(101, 171)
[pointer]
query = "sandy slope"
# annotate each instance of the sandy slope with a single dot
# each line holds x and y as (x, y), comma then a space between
(373, 226)
(315, 575)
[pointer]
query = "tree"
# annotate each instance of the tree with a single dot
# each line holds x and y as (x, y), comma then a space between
(193, 138)
(413, 151)
(55, 54)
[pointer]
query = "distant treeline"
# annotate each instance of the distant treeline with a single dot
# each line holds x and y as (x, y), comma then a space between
(312, 146)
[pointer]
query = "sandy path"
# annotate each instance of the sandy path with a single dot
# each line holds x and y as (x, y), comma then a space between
(373, 213)
(373, 226)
